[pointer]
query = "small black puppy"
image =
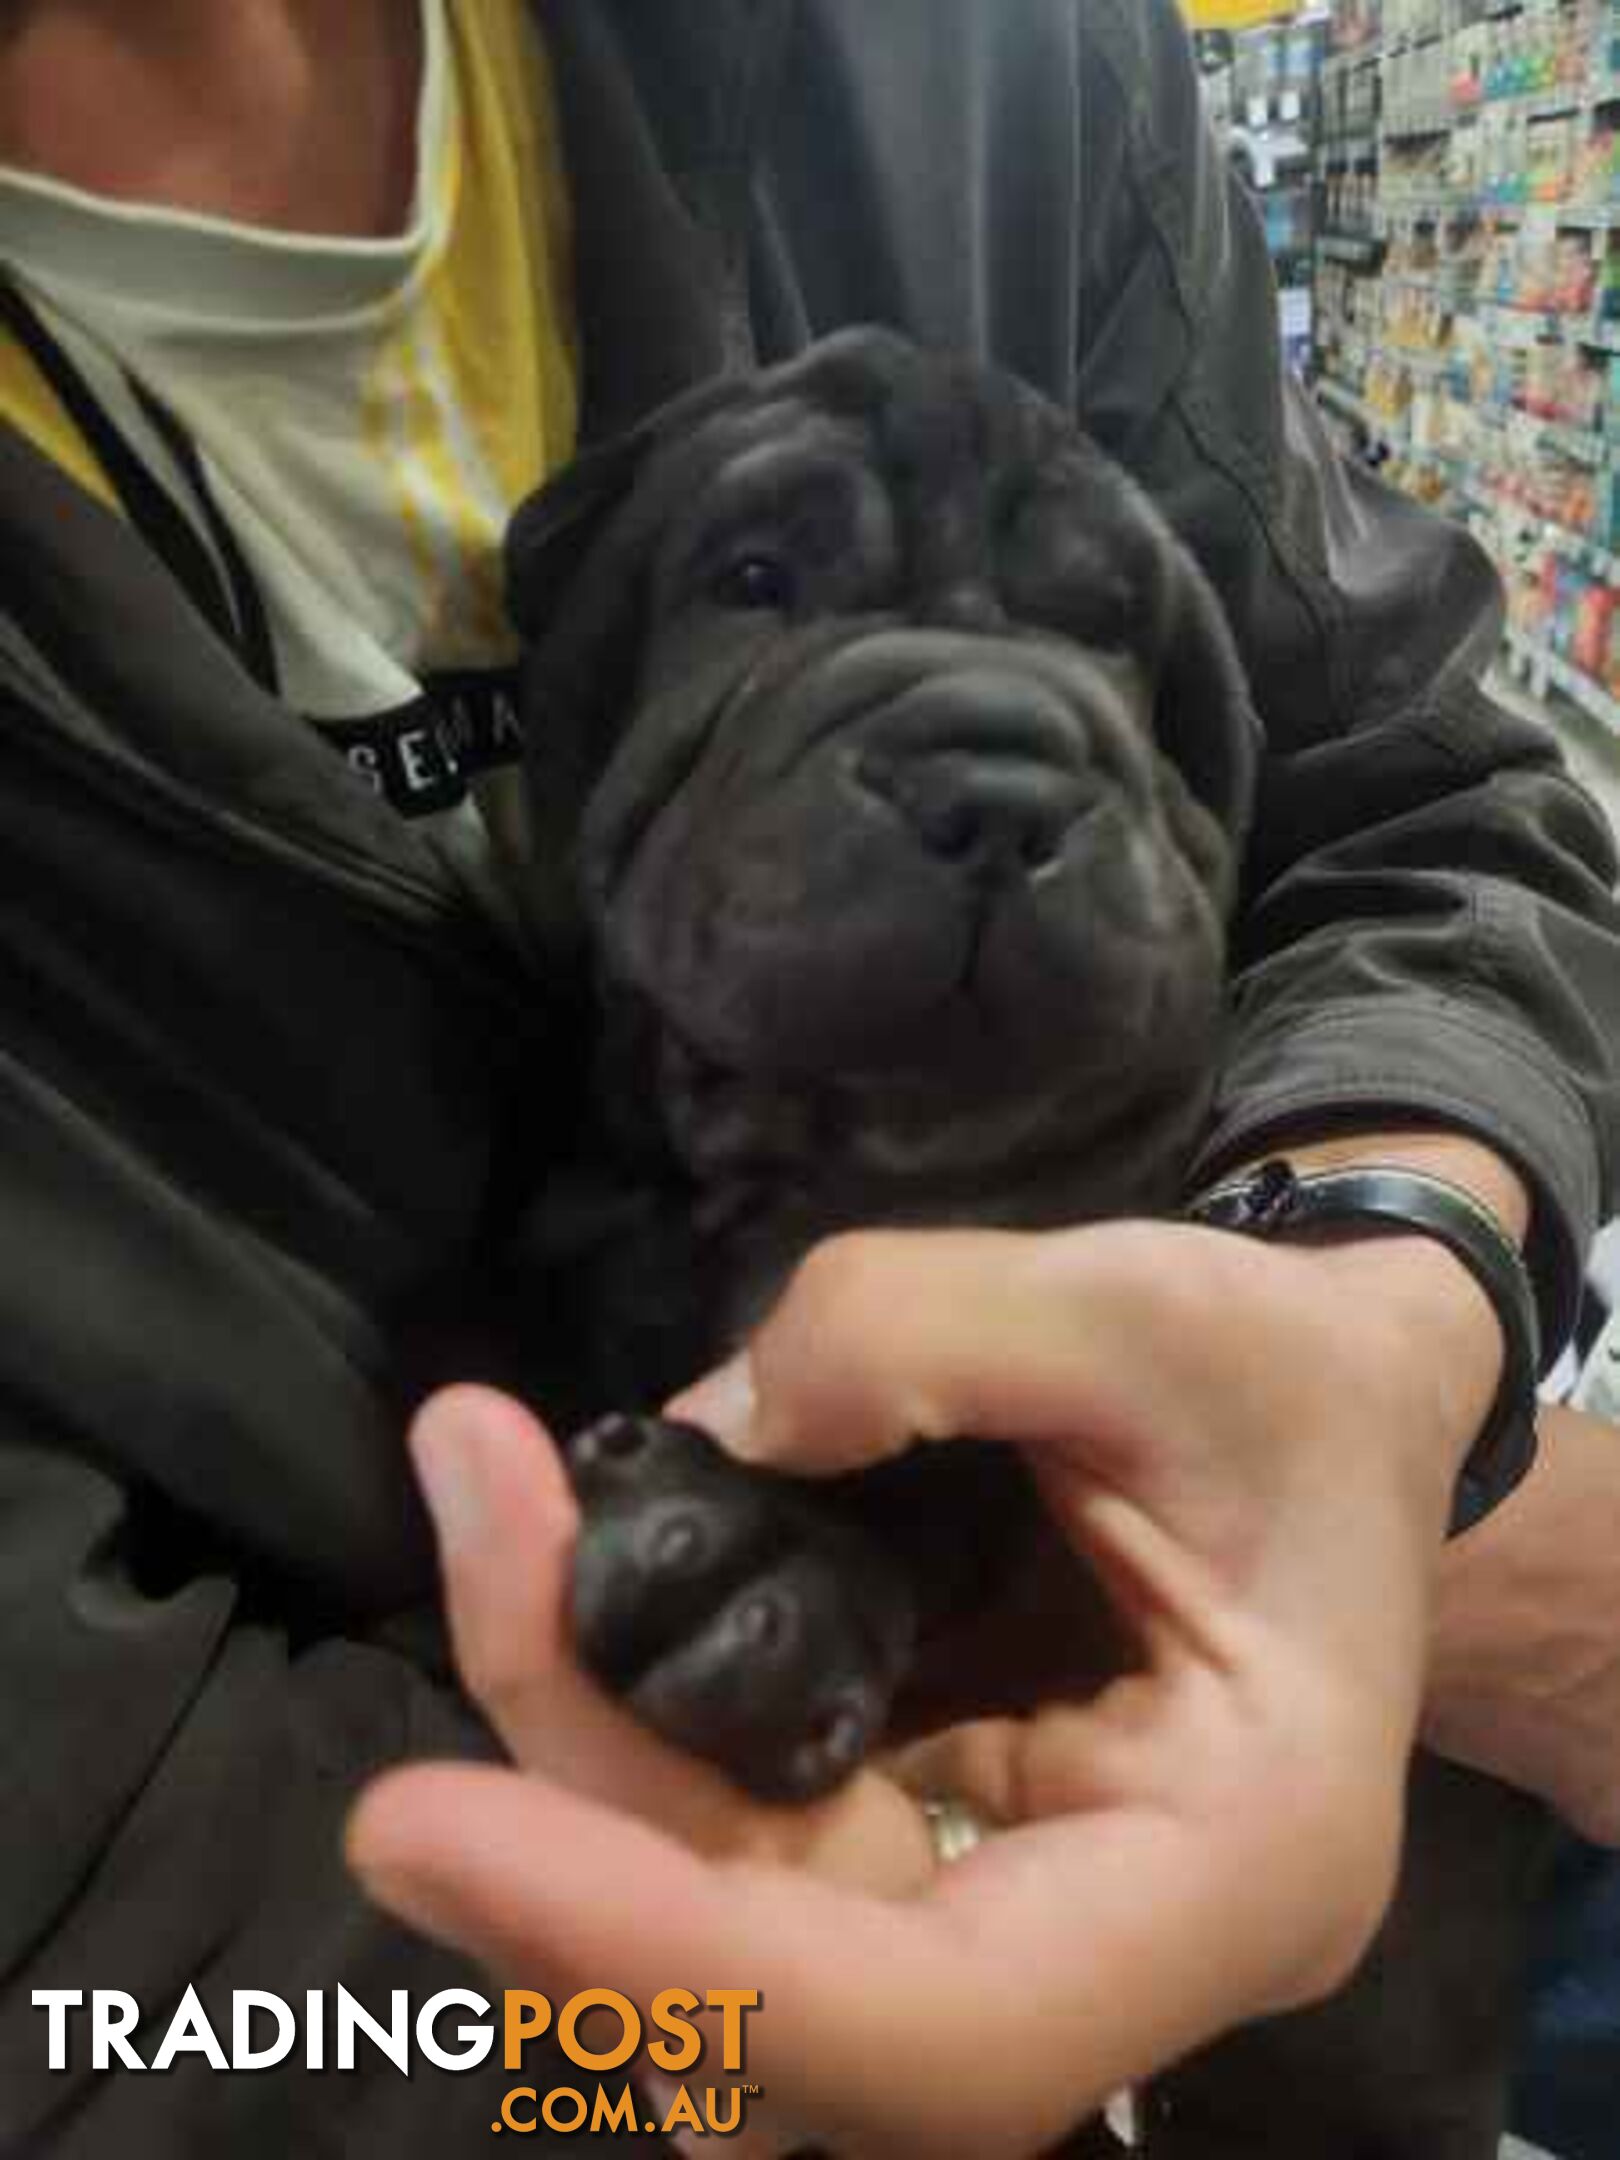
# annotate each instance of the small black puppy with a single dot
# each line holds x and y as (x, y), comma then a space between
(890, 761)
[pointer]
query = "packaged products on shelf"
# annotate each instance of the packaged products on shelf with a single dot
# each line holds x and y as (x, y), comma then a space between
(1567, 611)
(1472, 347)
(1594, 624)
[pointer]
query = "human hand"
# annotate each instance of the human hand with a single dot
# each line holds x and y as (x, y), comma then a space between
(1213, 1838)
(1525, 1678)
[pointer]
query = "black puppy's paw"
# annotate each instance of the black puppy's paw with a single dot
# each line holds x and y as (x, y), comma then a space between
(732, 1609)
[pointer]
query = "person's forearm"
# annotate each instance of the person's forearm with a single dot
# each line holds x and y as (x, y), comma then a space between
(1524, 1672)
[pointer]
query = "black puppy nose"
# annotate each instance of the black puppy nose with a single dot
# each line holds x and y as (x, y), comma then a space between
(982, 809)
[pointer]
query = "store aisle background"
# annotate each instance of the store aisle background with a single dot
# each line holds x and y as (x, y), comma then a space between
(1439, 182)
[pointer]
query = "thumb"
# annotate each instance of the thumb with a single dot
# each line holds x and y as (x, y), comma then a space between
(505, 1519)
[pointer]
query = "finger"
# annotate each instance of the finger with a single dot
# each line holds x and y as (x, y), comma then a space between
(427, 1844)
(1067, 1761)
(979, 1763)
(867, 1352)
(1096, 1918)
(505, 1519)
(526, 1876)
(540, 1886)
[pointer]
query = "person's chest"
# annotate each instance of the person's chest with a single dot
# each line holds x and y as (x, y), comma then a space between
(260, 116)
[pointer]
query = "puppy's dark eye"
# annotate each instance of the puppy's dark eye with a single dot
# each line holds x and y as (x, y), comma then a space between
(755, 581)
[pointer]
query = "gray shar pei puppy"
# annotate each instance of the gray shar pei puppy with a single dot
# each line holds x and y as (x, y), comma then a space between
(890, 766)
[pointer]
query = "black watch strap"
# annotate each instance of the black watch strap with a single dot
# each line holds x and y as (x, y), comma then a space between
(1276, 1201)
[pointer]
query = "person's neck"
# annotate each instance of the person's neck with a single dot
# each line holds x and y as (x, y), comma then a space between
(298, 115)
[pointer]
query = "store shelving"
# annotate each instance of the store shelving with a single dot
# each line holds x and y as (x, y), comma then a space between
(1468, 295)
(1545, 669)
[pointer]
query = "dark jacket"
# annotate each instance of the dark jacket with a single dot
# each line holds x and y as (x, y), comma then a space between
(262, 1057)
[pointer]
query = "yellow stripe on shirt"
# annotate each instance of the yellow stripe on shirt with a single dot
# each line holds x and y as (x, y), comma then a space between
(472, 394)
(29, 403)
(502, 294)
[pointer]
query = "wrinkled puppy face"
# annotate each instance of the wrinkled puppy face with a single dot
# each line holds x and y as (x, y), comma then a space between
(914, 757)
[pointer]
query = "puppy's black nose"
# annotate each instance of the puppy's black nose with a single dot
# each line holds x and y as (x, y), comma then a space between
(981, 809)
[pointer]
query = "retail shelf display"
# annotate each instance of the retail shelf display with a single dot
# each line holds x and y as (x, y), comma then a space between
(1467, 318)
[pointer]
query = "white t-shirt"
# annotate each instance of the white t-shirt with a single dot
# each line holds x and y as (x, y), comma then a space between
(367, 413)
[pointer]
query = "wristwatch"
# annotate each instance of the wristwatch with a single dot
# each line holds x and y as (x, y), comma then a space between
(1277, 1201)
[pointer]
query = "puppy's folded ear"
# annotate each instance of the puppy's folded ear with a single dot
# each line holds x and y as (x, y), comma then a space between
(576, 563)
(551, 534)
(1206, 720)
